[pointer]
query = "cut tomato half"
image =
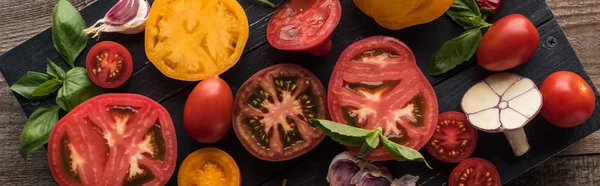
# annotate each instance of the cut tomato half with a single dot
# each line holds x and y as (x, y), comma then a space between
(377, 83)
(209, 167)
(454, 139)
(109, 64)
(304, 25)
(474, 171)
(114, 139)
(272, 109)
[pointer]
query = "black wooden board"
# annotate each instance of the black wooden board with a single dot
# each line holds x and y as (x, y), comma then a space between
(311, 168)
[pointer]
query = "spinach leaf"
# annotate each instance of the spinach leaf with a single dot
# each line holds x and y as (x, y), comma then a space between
(54, 70)
(37, 129)
(47, 88)
(344, 134)
(455, 52)
(67, 31)
(28, 83)
(402, 153)
(76, 89)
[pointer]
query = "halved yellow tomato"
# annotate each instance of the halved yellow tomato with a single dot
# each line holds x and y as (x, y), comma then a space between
(192, 40)
(209, 166)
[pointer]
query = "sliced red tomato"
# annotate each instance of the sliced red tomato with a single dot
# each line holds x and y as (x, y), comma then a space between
(377, 83)
(454, 139)
(209, 166)
(304, 25)
(109, 64)
(114, 139)
(474, 171)
(272, 109)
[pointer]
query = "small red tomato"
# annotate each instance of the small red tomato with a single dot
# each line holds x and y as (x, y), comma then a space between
(474, 171)
(109, 64)
(568, 99)
(454, 139)
(207, 112)
(510, 42)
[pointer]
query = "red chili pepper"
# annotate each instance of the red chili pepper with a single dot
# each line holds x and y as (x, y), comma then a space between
(489, 7)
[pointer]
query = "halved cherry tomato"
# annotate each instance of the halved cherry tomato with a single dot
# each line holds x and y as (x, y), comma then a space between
(271, 112)
(474, 171)
(377, 83)
(304, 25)
(109, 64)
(568, 99)
(209, 167)
(454, 139)
(207, 111)
(196, 39)
(114, 139)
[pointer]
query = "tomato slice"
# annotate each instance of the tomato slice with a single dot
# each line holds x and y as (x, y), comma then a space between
(109, 64)
(454, 139)
(114, 139)
(300, 25)
(474, 172)
(209, 167)
(196, 39)
(271, 112)
(376, 83)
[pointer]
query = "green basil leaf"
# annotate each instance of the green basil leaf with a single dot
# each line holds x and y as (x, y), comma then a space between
(54, 70)
(47, 88)
(28, 83)
(37, 129)
(67, 31)
(467, 14)
(402, 153)
(455, 52)
(364, 150)
(344, 134)
(373, 139)
(76, 89)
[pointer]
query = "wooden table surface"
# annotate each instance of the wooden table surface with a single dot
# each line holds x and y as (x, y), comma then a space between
(577, 165)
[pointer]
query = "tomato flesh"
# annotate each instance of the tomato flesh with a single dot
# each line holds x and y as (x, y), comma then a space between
(304, 25)
(475, 172)
(454, 139)
(272, 109)
(109, 64)
(568, 100)
(376, 83)
(114, 139)
(209, 167)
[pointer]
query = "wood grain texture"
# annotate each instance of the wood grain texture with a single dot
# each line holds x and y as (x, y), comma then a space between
(22, 20)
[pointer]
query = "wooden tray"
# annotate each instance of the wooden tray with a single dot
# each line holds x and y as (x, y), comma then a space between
(311, 168)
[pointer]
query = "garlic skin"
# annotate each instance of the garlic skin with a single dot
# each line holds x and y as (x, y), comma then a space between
(110, 23)
(348, 170)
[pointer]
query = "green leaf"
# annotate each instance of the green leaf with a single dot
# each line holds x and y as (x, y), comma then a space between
(267, 2)
(67, 31)
(28, 83)
(364, 151)
(402, 153)
(76, 89)
(344, 134)
(37, 129)
(54, 70)
(455, 52)
(371, 142)
(47, 88)
(467, 14)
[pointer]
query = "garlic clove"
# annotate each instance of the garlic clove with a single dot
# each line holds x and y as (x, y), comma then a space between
(126, 17)
(347, 169)
(483, 95)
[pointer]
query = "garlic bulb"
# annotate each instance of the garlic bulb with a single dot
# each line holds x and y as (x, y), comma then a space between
(127, 17)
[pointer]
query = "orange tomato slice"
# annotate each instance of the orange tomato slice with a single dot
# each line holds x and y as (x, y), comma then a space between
(192, 40)
(211, 167)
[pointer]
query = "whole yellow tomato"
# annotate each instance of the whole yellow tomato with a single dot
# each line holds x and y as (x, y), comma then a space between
(399, 14)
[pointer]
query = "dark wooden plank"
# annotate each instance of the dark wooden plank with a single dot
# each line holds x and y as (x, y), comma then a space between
(563, 171)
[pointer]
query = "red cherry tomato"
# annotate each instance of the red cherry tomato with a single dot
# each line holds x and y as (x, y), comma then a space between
(114, 139)
(109, 64)
(474, 172)
(510, 42)
(377, 83)
(207, 111)
(304, 25)
(568, 99)
(454, 138)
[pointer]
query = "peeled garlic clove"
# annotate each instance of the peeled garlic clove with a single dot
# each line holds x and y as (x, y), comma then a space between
(406, 180)
(503, 102)
(347, 169)
(127, 17)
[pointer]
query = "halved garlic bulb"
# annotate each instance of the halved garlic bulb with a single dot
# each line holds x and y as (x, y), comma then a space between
(503, 102)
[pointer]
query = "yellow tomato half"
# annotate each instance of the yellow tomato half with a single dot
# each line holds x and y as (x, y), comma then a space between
(192, 40)
(211, 167)
(399, 14)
